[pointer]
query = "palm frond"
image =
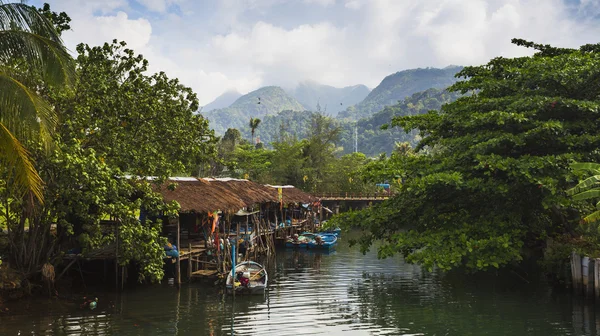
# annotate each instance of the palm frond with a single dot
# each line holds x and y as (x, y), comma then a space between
(50, 58)
(586, 166)
(590, 182)
(23, 111)
(19, 16)
(593, 217)
(589, 194)
(17, 157)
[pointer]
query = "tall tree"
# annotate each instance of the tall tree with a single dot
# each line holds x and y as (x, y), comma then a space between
(493, 167)
(254, 122)
(28, 43)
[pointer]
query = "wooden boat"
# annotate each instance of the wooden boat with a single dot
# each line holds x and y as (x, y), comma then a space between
(250, 278)
(323, 241)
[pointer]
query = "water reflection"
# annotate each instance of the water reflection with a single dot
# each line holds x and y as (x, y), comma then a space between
(340, 293)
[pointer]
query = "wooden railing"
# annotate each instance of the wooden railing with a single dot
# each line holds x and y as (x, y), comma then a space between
(354, 196)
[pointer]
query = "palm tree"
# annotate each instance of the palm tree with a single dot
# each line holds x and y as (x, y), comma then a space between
(27, 37)
(588, 188)
(254, 122)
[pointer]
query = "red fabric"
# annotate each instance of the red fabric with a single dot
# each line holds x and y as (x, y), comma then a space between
(244, 281)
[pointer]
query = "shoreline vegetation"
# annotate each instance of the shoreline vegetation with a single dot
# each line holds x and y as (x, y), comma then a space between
(495, 172)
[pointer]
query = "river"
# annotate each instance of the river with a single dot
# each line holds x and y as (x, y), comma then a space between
(341, 293)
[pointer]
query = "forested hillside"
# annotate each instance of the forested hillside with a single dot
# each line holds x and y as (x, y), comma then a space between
(264, 101)
(372, 140)
(397, 87)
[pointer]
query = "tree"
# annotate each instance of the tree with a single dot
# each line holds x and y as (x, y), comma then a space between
(143, 124)
(28, 43)
(254, 122)
(493, 167)
(115, 121)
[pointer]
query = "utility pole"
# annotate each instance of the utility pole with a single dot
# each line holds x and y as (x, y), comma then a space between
(355, 139)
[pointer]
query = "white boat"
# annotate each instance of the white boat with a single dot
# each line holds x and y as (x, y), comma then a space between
(250, 278)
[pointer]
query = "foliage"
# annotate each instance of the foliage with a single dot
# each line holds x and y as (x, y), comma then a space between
(254, 122)
(397, 87)
(494, 165)
(588, 188)
(116, 120)
(311, 164)
(373, 134)
(29, 45)
(142, 124)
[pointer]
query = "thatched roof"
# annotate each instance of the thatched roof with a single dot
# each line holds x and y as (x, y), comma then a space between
(225, 194)
(291, 194)
(200, 196)
(249, 192)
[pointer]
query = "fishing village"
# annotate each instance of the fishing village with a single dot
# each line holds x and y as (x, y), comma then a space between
(221, 222)
(299, 167)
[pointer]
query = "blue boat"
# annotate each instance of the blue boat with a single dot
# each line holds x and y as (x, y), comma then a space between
(323, 241)
(299, 241)
(337, 231)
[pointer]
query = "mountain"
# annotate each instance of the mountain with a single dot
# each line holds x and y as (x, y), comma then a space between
(222, 101)
(328, 99)
(293, 123)
(398, 86)
(372, 140)
(267, 100)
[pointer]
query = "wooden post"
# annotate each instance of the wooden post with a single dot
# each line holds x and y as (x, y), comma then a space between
(576, 272)
(237, 241)
(179, 257)
(117, 256)
(247, 235)
(585, 272)
(597, 278)
(189, 261)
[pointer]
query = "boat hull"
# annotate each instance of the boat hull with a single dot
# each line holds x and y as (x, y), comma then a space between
(257, 283)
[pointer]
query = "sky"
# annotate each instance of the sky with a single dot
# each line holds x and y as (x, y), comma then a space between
(219, 45)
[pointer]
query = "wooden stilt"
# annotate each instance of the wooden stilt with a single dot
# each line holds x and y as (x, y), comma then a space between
(189, 271)
(178, 258)
(576, 272)
(117, 257)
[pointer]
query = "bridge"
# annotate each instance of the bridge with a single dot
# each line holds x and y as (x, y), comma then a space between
(354, 196)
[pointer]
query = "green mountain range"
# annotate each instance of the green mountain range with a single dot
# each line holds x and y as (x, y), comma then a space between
(372, 140)
(398, 86)
(328, 99)
(267, 100)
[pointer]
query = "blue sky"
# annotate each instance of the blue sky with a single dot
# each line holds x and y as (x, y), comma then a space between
(219, 45)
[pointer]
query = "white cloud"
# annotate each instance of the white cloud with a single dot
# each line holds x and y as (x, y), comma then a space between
(244, 44)
(323, 3)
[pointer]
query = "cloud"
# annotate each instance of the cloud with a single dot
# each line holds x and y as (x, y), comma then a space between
(323, 3)
(244, 44)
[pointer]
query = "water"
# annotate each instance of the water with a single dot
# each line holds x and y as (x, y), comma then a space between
(341, 293)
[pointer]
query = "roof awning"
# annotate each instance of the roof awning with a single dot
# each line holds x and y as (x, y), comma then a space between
(243, 212)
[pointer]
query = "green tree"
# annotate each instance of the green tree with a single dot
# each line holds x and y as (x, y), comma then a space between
(29, 43)
(254, 122)
(495, 167)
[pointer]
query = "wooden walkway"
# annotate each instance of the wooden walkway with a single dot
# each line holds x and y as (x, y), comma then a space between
(353, 197)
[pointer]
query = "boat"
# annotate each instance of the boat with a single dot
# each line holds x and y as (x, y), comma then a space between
(250, 278)
(323, 241)
(299, 241)
(337, 231)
